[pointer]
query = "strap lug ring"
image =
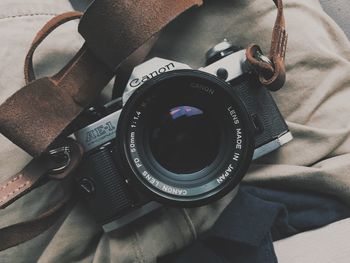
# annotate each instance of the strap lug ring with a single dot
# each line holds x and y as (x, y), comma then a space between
(60, 153)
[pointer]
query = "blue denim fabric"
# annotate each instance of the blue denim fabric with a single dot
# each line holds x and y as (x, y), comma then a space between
(245, 231)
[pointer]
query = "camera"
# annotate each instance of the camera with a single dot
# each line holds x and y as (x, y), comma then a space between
(179, 136)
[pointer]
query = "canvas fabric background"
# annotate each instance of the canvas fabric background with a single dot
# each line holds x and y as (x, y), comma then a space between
(315, 101)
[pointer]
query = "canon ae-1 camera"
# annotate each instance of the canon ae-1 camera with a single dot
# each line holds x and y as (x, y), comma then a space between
(183, 137)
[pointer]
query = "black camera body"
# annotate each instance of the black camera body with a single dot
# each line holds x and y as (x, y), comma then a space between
(182, 137)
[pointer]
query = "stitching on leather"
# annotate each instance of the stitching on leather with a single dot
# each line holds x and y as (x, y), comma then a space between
(28, 15)
(280, 42)
(13, 192)
(13, 180)
(280, 48)
(284, 44)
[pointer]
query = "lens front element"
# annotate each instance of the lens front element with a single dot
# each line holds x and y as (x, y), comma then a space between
(184, 139)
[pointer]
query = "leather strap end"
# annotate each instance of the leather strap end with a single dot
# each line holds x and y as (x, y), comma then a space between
(272, 76)
(277, 56)
(261, 67)
(278, 79)
(40, 167)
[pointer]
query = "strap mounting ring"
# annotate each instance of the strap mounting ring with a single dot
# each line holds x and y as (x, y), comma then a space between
(62, 157)
(261, 57)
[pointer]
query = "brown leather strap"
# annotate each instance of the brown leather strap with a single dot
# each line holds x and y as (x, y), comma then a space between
(19, 233)
(37, 114)
(114, 29)
(19, 184)
(31, 175)
(272, 76)
(50, 26)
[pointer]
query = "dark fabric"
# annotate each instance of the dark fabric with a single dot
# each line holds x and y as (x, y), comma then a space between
(255, 218)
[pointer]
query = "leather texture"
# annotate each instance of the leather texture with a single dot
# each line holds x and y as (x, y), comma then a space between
(37, 114)
(21, 183)
(114, 29)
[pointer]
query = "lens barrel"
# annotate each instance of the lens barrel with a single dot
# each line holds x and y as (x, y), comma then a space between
(185, 138)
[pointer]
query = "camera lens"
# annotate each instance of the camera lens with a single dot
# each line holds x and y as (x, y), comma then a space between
(185, 139)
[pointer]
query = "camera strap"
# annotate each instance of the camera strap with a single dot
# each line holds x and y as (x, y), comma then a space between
(272, 75)
(35, 116)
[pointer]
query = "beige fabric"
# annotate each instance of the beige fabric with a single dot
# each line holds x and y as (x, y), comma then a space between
(329, 244)
(315, 102)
